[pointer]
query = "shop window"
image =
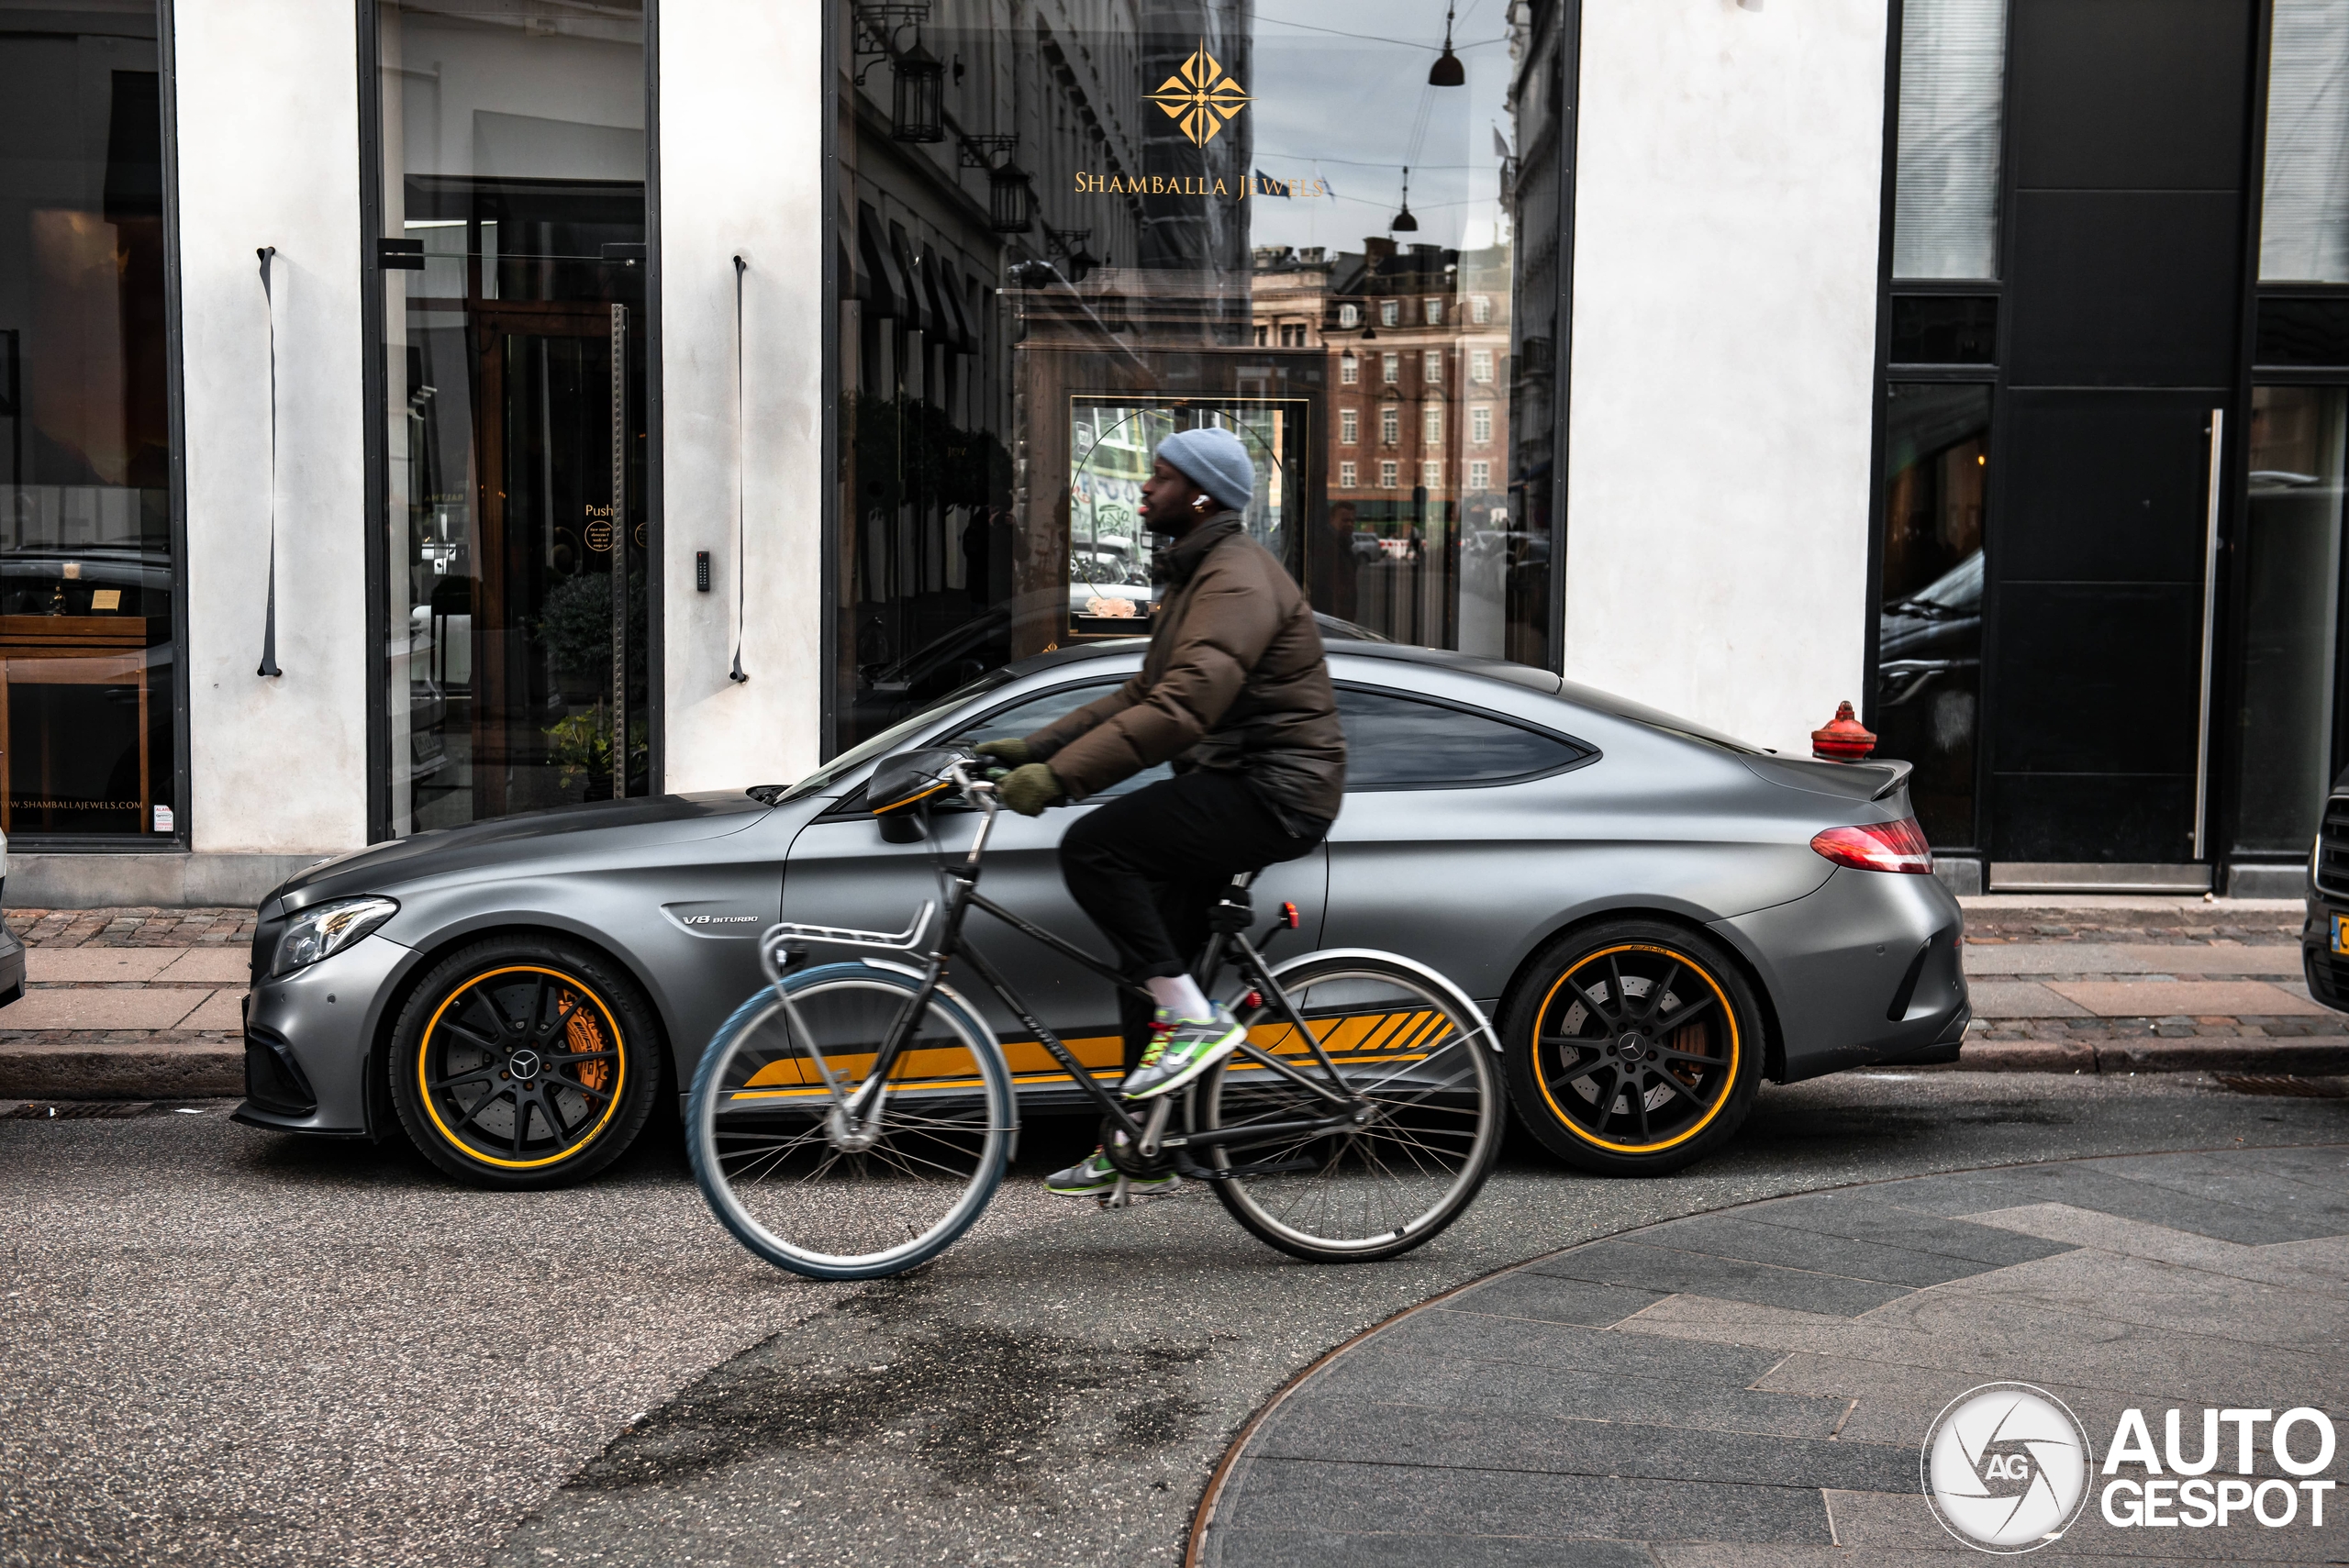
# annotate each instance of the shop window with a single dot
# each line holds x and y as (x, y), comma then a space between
(951, 557)
(1480, 423)
(2304, 210)
(1928, 631)
(2289, 557)
(1480, 366)
(89, 603)
(516, 438)
(1952, 89)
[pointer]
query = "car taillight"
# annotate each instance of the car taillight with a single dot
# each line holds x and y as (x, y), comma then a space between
(1879, 846)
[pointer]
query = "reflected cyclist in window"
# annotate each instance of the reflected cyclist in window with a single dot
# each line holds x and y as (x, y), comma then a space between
(1234, 692)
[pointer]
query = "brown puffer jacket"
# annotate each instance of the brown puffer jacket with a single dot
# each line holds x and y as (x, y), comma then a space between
(1233, 681)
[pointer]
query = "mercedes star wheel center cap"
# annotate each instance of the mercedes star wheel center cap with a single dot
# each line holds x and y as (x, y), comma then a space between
(1631, 1047)
(523, 1063)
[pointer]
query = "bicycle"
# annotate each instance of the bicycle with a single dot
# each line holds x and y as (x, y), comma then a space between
(852, 1119)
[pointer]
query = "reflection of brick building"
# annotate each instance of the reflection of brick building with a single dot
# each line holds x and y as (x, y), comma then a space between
(1416, 339)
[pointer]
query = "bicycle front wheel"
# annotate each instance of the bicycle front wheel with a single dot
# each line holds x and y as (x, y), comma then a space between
(1422, 1060)
(821, 1192)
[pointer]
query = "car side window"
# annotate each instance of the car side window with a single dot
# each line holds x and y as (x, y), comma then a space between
(1394, 742)
(1025, 719)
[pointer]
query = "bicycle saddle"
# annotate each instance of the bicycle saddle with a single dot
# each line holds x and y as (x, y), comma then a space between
(909, 778)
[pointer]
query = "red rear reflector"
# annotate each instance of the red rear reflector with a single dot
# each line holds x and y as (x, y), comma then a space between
(1289, 916)
(1880, 846)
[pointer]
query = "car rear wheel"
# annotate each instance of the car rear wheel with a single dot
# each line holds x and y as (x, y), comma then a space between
(1634, 1049)
(525, 1063)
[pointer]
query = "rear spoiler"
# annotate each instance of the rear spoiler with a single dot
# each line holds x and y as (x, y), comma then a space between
(1896, 776)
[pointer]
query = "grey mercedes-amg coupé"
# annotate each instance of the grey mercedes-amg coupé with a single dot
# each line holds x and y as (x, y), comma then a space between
(1656, 917)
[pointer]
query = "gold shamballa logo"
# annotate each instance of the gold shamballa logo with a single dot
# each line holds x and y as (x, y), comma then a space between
(1199, 97)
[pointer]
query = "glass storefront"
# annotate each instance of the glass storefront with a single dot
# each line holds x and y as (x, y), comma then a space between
(515, 439)
(2289, 562)
(1929, 633)
(88, 604)
(1057, 244)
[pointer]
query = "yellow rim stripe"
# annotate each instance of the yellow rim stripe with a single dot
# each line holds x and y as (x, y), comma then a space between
(620, 1076)
(1720, 1099)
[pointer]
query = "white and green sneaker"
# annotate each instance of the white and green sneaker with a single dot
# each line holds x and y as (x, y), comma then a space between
(1182, 1049)
(1094, 1176)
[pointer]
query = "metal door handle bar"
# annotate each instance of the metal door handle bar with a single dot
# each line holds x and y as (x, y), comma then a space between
(2209, 630)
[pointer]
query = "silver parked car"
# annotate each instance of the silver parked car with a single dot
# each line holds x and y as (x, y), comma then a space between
(1657, 918)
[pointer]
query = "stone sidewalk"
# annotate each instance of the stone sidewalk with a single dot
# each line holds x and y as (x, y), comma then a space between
(146, 1003)
(137, 1004)
(1750, 1388)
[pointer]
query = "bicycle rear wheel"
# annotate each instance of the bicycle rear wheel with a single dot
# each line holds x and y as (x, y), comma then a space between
(1421, 1056)
(788, 1173)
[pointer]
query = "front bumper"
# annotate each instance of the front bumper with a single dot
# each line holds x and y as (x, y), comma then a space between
(308, 1037)
(12, 966)
(2326, 971)
(1868, 969)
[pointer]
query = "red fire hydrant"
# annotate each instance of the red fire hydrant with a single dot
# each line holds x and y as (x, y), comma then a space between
(1844, 738)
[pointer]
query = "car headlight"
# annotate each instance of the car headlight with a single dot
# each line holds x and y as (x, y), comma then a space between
(327, 928)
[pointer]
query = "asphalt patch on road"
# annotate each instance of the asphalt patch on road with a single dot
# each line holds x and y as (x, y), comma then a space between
(971, 1404)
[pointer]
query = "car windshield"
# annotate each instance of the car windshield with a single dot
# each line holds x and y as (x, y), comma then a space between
(889, 739)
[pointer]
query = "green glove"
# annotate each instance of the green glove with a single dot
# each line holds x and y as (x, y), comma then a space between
(1029, 788)
(1010, 753)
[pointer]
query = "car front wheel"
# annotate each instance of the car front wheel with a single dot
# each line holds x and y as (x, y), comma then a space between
(525, 1063)
(1634, 1049)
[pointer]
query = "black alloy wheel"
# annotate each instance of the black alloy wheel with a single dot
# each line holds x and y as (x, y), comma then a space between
(525, 1061)
(1634, 1048)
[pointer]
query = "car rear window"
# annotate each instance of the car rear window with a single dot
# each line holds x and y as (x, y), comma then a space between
(1395, 742)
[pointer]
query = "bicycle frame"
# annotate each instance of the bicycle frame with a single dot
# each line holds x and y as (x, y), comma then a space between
(1347, 1108)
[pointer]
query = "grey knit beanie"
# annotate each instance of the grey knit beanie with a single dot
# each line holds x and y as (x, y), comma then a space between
(1214, 460)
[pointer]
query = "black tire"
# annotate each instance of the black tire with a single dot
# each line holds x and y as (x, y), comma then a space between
(1423, 1057)
(468, 1092)
(1589, 1072)
(766, 1150)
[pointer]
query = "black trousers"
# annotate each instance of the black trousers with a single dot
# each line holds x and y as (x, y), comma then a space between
(1147, 867)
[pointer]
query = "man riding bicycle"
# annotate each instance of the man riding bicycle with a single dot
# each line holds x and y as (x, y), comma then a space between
(1235, 693)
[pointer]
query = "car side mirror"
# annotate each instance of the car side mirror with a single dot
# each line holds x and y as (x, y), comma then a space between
(902, 827)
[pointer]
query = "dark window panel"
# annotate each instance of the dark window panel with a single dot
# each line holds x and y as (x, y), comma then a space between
(2303, 330)
(1944, 330)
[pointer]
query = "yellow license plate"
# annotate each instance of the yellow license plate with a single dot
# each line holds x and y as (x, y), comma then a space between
(2341, 933)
